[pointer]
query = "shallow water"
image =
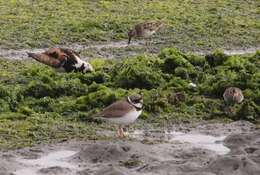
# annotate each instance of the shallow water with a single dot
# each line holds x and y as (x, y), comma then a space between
(203, 141)
(237, 51)
(54, 159)
(22, 53)
(209, 142)
(119, 44)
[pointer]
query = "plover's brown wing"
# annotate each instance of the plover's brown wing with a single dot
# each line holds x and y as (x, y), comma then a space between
(229, 95)
(148, 25)
(238, 95)
(139, 30)
(152, 26)
(71, 55)
(115, 110)
(45, 59)
(69, 51)
(57, 53)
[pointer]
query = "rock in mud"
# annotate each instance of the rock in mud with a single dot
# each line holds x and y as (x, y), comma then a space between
(244, 158)
(234, 165)
(103, 152)
(54, 170)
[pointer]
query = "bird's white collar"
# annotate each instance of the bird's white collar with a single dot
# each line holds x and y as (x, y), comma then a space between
(138, 106)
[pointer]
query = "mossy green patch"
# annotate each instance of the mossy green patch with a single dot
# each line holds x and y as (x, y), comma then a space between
(139, 72)
(38, 104)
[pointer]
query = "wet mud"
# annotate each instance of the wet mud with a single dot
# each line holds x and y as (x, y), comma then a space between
(120, 49)
(181, 149)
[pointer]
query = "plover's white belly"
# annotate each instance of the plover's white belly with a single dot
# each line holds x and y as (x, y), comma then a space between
(128, 118)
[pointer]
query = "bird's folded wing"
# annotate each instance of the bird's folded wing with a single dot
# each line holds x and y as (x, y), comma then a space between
(57, 53)
(115, 110)
(45, 59)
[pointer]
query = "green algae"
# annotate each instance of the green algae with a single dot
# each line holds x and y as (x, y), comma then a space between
(139, 72)
(39, 105)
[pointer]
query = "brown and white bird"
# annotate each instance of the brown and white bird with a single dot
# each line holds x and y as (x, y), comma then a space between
(145, 30)
(232, 95)
(122, 112)
(62, 59)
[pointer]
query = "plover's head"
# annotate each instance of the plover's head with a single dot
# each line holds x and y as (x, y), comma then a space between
(132, 33)
(83, 66)
(136, 101)
(87, 67)
(78, 64)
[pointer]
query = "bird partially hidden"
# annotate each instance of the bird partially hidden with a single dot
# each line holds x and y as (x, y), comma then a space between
(145, 30)
(122, 112)
(62, 59)
(232, 95)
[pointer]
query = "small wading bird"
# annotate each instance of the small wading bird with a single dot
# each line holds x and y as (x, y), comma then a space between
(62, 59)
(123, 112)
(145, 30)
(232, 95)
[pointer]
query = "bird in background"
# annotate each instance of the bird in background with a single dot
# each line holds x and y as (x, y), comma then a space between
(62, 59)
(232, 95)
(122, 112)
(145, 29)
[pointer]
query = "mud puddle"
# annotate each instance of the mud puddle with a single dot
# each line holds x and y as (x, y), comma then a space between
(66, 161)
(238, 51)
(195, 140)
(22, 53)
(208, 142)
(119, 49)
(183, 149)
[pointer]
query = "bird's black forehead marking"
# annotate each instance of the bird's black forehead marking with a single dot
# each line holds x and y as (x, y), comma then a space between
(135, 98)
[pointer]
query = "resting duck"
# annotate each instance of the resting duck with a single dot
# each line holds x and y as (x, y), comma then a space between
(62, 59)
(145, 29)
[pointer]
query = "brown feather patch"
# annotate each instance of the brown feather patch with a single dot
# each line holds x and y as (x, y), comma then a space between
(116, 110)
(45, 59)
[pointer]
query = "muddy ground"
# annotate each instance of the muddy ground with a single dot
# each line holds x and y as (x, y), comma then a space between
(120, 49)
(183, 149)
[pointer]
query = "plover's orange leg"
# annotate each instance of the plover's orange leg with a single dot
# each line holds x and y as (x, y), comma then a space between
(228, 110)
(118, 133)
(121, 132)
